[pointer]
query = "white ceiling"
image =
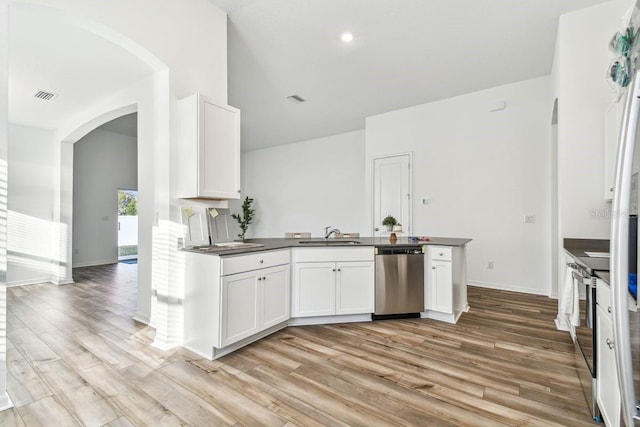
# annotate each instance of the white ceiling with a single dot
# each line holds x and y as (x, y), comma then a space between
(406, 52)
(48, 53)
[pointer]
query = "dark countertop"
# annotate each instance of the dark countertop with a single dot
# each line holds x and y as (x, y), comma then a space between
(577, 248)
(280, 243)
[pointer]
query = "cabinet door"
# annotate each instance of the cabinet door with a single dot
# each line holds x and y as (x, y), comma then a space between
(607, 393)
(354, 287)
(314, 289)
(275, 295)
(239, 307)
(440, 287)
(219, 151)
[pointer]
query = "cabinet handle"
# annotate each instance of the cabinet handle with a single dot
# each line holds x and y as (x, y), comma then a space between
(441, 254)
(333, 270)
(609, 309)
(239, 191)
(259, 278)
(433, 268)
(264, 278)
(261, 261)
(611, 189)
(610, 344)
(339, 269)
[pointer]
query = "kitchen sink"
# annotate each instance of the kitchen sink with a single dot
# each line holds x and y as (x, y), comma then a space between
(336, 242)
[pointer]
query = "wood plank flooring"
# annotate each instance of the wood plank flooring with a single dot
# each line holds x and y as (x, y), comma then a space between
(75, 357)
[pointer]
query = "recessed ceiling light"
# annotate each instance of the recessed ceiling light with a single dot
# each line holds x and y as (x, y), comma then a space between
(346, 37)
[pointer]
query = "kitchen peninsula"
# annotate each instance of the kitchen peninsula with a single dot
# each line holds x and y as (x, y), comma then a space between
(237, 295)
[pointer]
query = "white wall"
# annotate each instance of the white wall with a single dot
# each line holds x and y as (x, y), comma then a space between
(185, 44)
(5, 401)
(582, 59)
(30, 216)
(307, 186)
(483, 171)
(103, 162)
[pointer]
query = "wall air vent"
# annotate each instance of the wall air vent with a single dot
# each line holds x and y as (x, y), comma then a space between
(45, 96)
(296, 98)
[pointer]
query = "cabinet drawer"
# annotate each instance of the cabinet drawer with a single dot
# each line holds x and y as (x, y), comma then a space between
(441, 253)
(603, 297)
(241, 263)
(333, 254)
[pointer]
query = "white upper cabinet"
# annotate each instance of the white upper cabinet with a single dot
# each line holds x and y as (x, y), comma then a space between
(209, 150)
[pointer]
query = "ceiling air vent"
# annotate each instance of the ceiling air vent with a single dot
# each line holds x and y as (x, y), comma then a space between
(45, 96)
(296, 98)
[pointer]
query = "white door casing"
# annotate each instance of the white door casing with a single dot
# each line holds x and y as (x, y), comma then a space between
(391, 192)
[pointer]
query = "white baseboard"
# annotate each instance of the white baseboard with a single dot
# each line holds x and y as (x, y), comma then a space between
(139, 317)
(94, 263)
(36, 281)
(63, 282)
(5, 401)
(503, 287)
(325, 320)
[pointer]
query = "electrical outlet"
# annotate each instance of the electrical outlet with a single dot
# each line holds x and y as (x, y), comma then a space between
(529, 219)
(490, 265)
(426, 200)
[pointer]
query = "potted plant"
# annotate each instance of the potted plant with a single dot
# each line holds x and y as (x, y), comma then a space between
(247, 216)
(389, 221)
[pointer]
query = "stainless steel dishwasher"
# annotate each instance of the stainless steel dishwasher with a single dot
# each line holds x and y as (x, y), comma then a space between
(399, 282)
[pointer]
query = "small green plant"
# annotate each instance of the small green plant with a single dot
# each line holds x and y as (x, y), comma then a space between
(247, 216)
(389, 221)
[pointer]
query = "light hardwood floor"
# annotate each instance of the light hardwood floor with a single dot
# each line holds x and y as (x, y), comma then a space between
(75, 357)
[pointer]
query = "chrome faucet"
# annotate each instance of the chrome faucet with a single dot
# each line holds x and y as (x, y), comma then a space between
(328, 232)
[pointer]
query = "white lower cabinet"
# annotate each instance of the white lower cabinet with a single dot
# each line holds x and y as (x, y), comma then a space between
(240, 307)
(445, 293)
(253, 302)
(314, 293)
(439, 297)
(607, 392)
(225, 304)
(354, 290)
(276, 302)
(330, 282)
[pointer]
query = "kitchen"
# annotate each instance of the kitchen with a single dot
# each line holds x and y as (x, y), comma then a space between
(521, 252)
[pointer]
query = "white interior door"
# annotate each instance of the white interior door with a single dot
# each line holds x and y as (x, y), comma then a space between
(392, 192)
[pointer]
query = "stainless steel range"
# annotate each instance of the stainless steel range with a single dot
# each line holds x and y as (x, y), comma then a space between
(584, 335)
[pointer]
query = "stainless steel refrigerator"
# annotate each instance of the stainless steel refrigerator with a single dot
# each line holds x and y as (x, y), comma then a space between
(624, 236)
